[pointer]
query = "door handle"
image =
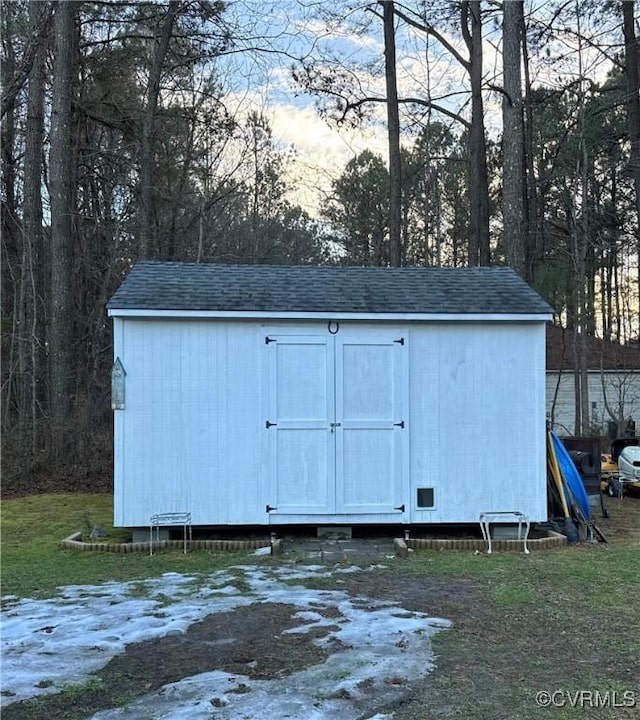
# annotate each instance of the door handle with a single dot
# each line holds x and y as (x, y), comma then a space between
(334, 425)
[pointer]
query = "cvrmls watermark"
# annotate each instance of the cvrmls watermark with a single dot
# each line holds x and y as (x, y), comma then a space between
(586, 698)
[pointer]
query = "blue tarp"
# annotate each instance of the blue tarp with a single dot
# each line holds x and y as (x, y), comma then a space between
(571, 476)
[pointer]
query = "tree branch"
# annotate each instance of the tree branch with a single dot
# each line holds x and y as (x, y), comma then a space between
(354, 105)
(430, 30)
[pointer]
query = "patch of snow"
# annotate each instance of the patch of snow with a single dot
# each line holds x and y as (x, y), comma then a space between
(375, 648)
(263, 551)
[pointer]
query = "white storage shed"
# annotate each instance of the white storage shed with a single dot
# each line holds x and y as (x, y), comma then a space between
(257, 395)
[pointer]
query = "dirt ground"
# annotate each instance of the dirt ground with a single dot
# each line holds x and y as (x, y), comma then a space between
(250, 642)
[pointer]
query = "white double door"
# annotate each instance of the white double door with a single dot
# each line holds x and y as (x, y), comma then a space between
(337, 430)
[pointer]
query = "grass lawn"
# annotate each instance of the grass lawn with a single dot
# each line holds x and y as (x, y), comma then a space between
(565, 621)
(33, 563)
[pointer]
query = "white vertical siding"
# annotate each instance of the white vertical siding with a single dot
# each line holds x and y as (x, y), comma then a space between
(188, 434)
(621, 391)
(477, 419)
(192, 435)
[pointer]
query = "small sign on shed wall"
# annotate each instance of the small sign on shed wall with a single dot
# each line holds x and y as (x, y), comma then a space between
(118, 375)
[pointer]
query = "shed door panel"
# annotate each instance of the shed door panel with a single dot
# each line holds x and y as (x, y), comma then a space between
(301, 406)
(336, 441)
(369, 438)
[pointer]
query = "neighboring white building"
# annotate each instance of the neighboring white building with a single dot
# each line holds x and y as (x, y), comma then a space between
(256, 395)
(614, 384)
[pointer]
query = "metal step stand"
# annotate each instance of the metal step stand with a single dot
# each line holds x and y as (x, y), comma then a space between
(169, 519)
(510, 516)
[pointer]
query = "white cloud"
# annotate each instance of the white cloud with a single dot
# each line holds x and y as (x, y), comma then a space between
(322, 150)
(425, 69)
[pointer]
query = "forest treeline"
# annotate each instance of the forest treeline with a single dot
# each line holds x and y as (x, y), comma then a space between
(120, 142)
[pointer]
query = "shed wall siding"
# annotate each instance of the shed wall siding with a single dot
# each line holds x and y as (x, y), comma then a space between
(477, 420)
(189, 425)
(192, 434)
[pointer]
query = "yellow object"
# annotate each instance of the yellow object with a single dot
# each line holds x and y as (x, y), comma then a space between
(608, 471)
(555, 473)
(607, 465)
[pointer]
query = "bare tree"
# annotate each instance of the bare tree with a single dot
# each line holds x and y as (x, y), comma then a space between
(479, 252)
(632, 71)
(147, 236)
(31, 270)
(393, 132)
(514, 232)
(62, 225)
(580, 235)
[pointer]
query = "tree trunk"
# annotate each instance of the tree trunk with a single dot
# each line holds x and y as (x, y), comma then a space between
(632, 70)
(393, 130)
(61, 192)
(10, 232)
(514, 231)
(534, 246)
(32, 223)
(582, 245)
(611, 258)
(479, 250)
(10, 229)
(147, 238)
(577, 385)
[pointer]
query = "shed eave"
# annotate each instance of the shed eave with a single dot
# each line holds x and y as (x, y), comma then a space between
(328, 315)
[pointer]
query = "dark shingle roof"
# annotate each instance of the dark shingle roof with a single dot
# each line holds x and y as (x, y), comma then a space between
(268, 288)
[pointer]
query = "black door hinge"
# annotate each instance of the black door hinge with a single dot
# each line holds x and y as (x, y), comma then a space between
(400, 342)
(400, 424)
(269, 508)
(400, 507)
(267, 340)
(269, 424)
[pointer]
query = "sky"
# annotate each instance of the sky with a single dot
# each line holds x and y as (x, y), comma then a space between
(84, 627)
(289, 30)
(263, 81)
